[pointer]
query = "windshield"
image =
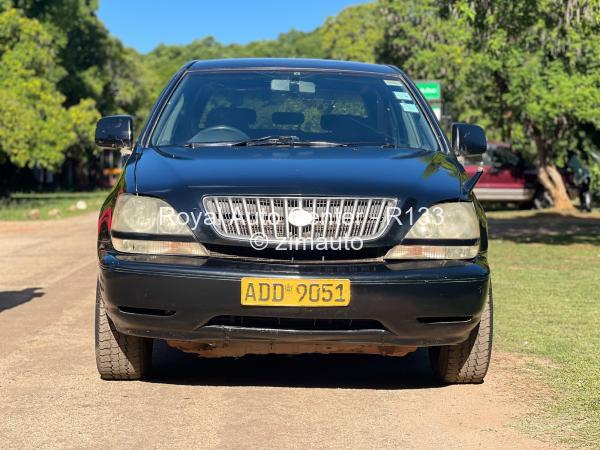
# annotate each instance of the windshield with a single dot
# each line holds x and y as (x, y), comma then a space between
(289, 107)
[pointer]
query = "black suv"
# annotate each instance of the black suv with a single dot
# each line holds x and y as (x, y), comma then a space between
(293, 206)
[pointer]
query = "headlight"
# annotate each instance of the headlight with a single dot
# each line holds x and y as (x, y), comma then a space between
(151, 226)
(454, 226)
(447, 221)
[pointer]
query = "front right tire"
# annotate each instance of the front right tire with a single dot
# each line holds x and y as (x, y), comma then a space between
(119, 356)
(467, 362)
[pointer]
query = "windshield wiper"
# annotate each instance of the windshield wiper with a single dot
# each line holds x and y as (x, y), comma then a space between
(293, 141)
(287, 140)
(266, 140)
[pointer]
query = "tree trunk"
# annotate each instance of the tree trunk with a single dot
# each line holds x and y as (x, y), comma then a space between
(550, 177)
(552, 180)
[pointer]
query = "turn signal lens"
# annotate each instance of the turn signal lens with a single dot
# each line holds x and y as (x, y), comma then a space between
(147, 247)
(432, 252)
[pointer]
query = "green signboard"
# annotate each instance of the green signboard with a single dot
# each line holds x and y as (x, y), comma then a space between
(431, 90)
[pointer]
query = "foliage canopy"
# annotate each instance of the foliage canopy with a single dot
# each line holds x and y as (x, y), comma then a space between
(528, 71)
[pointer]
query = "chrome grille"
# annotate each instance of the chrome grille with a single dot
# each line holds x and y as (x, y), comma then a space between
(333, 218)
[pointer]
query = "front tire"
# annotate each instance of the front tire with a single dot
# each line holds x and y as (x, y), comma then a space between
(119, 356)
(543, 200)
(468, 361)
(586, 201)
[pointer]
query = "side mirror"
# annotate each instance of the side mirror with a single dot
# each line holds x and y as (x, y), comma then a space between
(468, 140)
(115, 133)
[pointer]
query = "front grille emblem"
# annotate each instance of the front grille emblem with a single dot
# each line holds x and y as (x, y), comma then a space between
(300, 217)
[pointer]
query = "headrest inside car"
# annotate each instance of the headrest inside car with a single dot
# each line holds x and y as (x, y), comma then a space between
(336, 121)
(287, 118)
(234, 117)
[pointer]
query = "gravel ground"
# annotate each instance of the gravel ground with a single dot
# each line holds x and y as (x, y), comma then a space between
(51, 395)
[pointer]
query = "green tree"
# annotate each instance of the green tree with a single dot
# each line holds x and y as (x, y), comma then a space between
(89, 73)
(541, 65)
(528, 71)
(354, 34)
(428, 39)
(35, 129)
(95, 65)
(83, 118)
(83, 43)
(165, 60)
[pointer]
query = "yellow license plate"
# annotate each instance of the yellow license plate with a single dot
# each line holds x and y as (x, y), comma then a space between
(295, 292)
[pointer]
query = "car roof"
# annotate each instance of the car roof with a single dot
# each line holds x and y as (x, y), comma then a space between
(291, 63)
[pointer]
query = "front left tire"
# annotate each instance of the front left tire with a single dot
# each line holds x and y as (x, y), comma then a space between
(119, 356)
(467, 362)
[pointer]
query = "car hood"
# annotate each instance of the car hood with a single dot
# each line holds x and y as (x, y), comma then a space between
(422, 176)
(183, 177)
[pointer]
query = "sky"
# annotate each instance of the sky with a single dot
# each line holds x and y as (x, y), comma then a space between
(144, 24)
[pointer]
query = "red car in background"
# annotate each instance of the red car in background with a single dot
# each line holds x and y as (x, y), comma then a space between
(507, 178)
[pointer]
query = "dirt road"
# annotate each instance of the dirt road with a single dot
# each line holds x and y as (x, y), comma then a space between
(51, 395)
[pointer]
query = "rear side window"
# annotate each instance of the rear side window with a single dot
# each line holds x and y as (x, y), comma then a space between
(342, 108)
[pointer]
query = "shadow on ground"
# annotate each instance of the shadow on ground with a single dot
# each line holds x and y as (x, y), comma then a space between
(172, 366)
(10, 299)
(546, 228)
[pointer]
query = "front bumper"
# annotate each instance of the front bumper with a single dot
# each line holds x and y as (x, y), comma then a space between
(418, 303)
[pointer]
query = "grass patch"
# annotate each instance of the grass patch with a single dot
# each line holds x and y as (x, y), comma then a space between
(39, 206)
(547, 299)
